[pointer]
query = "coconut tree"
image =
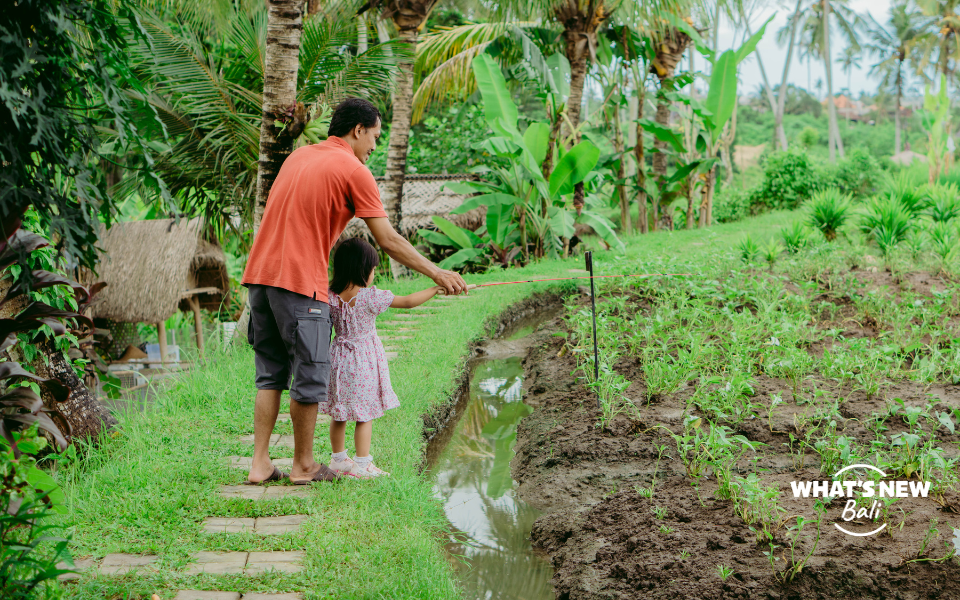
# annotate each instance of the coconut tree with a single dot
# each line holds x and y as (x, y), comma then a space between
(893, 45)
(816, 33)
(209, 102)
(408, 17)
(281, 64)
(940, 44)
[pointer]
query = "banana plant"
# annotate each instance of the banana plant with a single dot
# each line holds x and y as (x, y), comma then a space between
(522, 205)
(717, 109)
(936, 121)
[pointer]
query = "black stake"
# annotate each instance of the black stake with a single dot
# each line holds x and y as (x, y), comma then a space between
(593, 307)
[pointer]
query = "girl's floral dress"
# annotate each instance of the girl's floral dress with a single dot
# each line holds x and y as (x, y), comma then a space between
(359, 387)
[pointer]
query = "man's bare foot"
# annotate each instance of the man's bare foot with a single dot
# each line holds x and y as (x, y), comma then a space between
(318, 472)
(264, 471)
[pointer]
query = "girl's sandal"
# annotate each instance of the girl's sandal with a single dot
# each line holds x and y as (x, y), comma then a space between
(369, 472)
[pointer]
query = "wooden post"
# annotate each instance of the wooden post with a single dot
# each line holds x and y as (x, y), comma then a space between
(162, 336)
(197, 321)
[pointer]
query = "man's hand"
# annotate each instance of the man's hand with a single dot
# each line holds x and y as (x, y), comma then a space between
(399, 249)
(451, 282)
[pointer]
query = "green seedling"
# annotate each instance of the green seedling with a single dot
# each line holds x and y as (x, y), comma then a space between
(665, 530)
(659, 512)
(799, 560)
(684, 555)
(724, 572)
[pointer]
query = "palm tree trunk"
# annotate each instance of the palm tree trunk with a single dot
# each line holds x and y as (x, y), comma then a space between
(896, 115)
(836, 146)
(281, 66)
(642, 223)
(782, 92)
(618, 142)
(578, 74)
(399, 135)
(284, 27)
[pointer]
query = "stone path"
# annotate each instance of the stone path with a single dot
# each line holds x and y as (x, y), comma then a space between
(247, 563)
(203, 595)
(259, 492)
(255, 563)
(259, 525)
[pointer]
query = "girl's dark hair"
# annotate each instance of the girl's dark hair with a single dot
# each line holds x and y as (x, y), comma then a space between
(350, 113)
(353, 261)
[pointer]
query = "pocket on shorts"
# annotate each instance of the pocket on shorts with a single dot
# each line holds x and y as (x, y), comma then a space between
(313, 339)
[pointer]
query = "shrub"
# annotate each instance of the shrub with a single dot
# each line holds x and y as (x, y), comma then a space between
(731, 205)
(809, 137)
(858, 174)
(828, 212)
(788, 179)
(887, 221)
(944, 202)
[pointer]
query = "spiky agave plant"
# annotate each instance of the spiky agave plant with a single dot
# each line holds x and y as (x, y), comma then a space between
(943, 238)
(914, 198)
(749, 250)
(944, 202)
(771, 251)
(828, 211)
(795, 237)
(887, 221)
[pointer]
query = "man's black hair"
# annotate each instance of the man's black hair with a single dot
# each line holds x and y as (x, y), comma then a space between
(350, 113)
(353, 261)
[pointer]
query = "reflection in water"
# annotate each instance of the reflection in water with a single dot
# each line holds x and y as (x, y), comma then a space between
(473, 478)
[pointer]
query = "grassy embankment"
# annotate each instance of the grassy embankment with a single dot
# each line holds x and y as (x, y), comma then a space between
(147, 489)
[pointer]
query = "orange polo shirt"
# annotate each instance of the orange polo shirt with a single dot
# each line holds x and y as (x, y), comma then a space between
(318, 190)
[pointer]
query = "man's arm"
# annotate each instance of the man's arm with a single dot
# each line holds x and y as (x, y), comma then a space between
(400, 250)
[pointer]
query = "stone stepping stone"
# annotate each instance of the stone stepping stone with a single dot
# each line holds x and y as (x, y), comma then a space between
(207, 595)
(261, 562)
(584, 271)
(393, 338)
(223, 525)
(119, 564)
(259, 525)
(217, 563)
(258, 492)
(245, 462)
(410, 317)
(390, 356)
(278, 525)
(248, 563)
(82, 564)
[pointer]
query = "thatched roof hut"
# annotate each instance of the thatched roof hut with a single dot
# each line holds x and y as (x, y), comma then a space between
(152, 268)
(423, 197)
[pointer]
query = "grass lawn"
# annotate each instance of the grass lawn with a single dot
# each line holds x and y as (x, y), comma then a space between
(147, 489)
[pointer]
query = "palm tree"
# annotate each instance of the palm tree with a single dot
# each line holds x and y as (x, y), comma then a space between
(280, 67)
(816, 32)
(940, 44)
(409, 17)
(208, 100)
(893, 46)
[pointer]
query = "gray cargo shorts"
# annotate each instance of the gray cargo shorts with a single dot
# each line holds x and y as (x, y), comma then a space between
(290, 335)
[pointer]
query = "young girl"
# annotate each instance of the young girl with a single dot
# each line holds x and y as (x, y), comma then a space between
(359, 388)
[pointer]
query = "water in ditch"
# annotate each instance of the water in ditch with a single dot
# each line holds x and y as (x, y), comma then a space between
(491, 524)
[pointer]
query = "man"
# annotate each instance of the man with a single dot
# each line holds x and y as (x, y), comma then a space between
(317, 191)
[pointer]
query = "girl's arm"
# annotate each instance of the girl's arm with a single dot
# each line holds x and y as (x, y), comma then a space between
(415, 299)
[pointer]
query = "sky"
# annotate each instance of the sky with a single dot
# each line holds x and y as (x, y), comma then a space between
(773, 55)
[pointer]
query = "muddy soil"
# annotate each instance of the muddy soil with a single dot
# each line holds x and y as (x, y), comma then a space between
(606, 540)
